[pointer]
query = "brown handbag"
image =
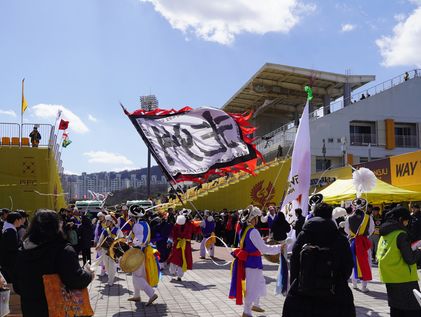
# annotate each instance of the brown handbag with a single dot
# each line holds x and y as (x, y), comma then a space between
(63, 302)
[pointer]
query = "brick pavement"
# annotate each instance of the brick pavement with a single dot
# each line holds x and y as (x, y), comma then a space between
(203, 292)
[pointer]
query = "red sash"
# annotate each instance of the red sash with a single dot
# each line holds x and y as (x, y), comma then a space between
(241, 256)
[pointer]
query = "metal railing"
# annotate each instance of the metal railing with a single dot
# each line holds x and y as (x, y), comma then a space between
(272, 143)
(277, 134)
(44, 130)
(9, 130)
(363, 139)
(406, 141)
(368, 92)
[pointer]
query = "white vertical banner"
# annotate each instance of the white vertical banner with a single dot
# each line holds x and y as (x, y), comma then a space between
(297, 193)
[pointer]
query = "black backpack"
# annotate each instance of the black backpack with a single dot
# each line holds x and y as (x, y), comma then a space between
(317, 271)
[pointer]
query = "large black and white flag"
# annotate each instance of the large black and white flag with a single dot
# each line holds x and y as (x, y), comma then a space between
(193, 143)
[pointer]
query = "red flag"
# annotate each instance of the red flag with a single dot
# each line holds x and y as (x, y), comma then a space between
(63, 125)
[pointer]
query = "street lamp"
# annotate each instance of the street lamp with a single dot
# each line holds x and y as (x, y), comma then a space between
(343, 149)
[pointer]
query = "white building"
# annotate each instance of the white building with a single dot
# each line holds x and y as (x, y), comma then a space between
(78, 187)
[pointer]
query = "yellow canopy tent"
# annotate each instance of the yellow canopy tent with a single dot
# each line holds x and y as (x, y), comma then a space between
(343, 189)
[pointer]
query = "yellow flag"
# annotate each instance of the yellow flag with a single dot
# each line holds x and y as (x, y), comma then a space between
(24, 103)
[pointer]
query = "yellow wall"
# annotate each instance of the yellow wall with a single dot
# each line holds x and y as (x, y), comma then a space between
(248, 190)
(24, 171)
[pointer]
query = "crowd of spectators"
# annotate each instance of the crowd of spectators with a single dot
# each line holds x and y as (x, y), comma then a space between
(52, 243)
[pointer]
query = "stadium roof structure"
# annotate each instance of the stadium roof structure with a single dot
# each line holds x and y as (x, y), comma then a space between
(279, 90)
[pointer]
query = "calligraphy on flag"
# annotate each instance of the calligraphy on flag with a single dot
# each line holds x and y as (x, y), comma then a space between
(194, 143)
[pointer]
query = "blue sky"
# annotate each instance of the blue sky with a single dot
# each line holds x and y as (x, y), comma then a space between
(85, 56)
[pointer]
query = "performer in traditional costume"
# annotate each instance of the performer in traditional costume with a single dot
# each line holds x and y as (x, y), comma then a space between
(76, 218)
(147, 275)
(248, 264)
(124, 222)
(161, 231)
(208, 230)
(99, 227)
(111, 232)
(181, 258)
(359, 226)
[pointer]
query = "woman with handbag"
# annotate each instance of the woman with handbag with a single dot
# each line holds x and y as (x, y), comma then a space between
(46, 252)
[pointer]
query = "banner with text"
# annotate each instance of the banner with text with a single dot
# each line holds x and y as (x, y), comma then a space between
(193, 143)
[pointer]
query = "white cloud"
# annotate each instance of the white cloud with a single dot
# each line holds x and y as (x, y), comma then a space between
(403, 47)
(120, 169)
(399, 17)
(221, 21)
(347, 27)
(92, 118)
(8, 113)
(103, 157)
(67, 172)
(45, 111)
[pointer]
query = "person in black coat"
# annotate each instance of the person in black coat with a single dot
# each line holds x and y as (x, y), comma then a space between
(3, 215)
(9, 245)
(299, 223)
(322, 231)
(86, 236)
(280, 227)
(45, 251)
(160, 232)
(415, 225)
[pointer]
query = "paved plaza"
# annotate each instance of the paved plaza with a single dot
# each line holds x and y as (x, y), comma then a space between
(203, 292)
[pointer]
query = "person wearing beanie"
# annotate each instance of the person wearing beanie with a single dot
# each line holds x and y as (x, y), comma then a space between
(321, 263)
(397, 264)
(248, 264)
(113, 232)
(181, 258)
(208, 228)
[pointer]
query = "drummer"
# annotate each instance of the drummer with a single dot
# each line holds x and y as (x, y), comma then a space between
(124, 222)
(109, 234)
(147, 275)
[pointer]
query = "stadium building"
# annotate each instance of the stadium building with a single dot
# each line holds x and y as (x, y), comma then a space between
(351, 121)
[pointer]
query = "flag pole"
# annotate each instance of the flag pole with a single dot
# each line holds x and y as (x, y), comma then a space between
(54, 139)
(21, 113)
